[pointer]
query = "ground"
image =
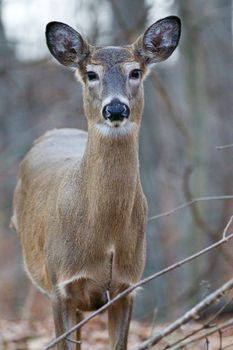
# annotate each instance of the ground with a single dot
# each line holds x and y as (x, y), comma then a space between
(34, 335)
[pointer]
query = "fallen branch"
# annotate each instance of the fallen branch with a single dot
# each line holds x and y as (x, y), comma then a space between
(191, 202)
(214, 329)
(223, 240)
(206, 325)
(189, 315)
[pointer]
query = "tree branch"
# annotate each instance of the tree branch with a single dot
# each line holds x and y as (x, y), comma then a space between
(191, 202)
(189, 315)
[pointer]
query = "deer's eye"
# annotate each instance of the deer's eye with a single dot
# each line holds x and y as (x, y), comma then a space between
(91, 76)
(135, 74)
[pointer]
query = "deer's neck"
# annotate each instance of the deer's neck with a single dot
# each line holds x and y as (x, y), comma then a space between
(110, 172)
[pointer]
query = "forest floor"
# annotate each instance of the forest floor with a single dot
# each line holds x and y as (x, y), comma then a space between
(34, 335)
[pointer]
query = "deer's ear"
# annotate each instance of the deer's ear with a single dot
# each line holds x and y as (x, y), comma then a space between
(159, 40)
(66, 44)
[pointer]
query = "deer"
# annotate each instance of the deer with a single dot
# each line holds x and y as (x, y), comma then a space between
(79, 206)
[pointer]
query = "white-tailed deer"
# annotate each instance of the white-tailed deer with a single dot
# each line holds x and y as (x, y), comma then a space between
(78, 205)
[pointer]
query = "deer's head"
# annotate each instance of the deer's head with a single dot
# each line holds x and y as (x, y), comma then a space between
(112, 76)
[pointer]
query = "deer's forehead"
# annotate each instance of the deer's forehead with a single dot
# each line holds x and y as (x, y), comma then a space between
(112, 55)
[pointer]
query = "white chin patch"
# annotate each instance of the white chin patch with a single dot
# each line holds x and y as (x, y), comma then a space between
(116, 128)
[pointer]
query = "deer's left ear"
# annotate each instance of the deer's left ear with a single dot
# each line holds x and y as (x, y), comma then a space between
(159, 40)
(66, 44)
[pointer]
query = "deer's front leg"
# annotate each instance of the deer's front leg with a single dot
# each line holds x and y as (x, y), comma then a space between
(65, 317)
(119, 316)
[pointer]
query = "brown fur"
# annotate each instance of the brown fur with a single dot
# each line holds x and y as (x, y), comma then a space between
(78, 205)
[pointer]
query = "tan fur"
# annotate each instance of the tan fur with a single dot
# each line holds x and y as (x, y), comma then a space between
(78, 205)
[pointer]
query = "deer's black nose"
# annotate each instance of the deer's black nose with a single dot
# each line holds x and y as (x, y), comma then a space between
(116, 111)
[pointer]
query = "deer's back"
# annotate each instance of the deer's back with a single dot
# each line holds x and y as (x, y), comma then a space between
(53, 155)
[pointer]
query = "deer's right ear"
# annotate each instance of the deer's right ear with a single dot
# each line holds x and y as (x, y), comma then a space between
(159, 40)
(66, 44)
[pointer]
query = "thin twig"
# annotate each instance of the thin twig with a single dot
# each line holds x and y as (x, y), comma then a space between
(136, 285)
(74, 341)
(189, 315)
(191, 202)
(224, 146)
(227, 227)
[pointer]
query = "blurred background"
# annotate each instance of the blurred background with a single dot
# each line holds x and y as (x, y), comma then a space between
(188, 113)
